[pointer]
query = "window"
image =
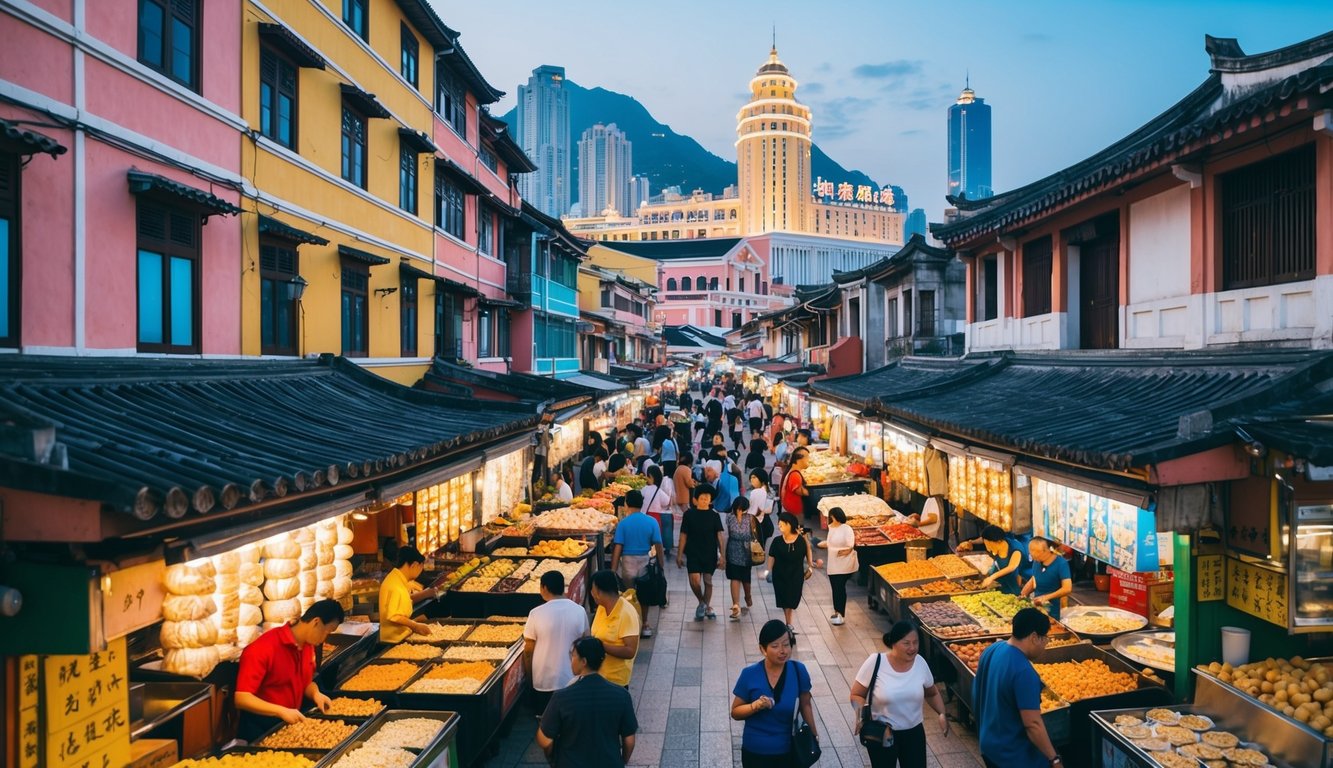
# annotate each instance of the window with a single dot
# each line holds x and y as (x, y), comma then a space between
(448, 206)
(671, 283)
(356, 17)
(701, 283)
(487, 158)
(407, 67)
(485, 333)
(278, 78)
(448, 325)
(407, 179)
(485, 230)
(735, 320)
(1037, 277)
(909, 320)
(742, 285)
(555, 338)
(451, 101)
(168, 279)
(279, 266)
(168, 39)
(10, 253)
(502, 333)
(717, 318)
(989, 303)
(354, 147)
(684, 284)
(407, 316)
(891, 319)
(1268, 221)
(712, 284)
(926, 310)
(355, 319)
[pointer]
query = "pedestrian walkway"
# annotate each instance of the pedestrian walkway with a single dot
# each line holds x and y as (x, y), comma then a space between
(683, 677)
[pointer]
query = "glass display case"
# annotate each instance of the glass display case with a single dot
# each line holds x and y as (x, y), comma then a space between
(1311, 563)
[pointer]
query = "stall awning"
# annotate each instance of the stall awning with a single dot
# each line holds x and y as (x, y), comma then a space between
(487, 301)
(363, 102)
(291, 46)
(418, 141)
(411, 272)
(271, 227)
(365, 257)
(208, 204)
(597, 383)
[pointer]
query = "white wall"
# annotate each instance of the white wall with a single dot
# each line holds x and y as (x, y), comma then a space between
(1159, 246)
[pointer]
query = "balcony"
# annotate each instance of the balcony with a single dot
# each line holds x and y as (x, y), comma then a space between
(952, 345)
(519, 286)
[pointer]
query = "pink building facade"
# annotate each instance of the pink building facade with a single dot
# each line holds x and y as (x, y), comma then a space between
(128, 241)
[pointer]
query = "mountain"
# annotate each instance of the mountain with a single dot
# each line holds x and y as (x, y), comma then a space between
(667, 158)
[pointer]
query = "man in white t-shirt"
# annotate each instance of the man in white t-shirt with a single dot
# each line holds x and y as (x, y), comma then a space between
(551, 629)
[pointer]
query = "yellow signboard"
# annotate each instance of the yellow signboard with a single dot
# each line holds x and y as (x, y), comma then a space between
(1211, 579)
(1257, 591)
(85, 699)
(30, 690)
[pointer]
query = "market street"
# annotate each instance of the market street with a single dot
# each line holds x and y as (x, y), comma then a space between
(683, 678)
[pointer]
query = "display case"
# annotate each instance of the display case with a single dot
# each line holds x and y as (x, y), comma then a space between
(1310, 560)
(442, 512)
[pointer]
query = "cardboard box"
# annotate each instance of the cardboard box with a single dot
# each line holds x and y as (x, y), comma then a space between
(1146, 594)
(153, 753)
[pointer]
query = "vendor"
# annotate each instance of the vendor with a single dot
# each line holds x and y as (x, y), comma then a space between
(277, 671)
(1051, 580)
(930, 521)
(398, 593)
(1011, 562)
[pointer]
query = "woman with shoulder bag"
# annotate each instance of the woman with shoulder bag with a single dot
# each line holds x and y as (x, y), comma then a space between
(767, 697)
(761, 504)
(887, 696)
(742, 533)
(842, 561)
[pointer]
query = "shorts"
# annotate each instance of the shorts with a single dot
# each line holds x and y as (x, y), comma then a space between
(631, 567)
(739, 573)
(700, 564)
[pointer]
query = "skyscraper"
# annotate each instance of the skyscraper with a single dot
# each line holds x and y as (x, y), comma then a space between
(543, 132)
(605, 171)
(773, 153)
(916, 223)
(969, 146)
(640, 192)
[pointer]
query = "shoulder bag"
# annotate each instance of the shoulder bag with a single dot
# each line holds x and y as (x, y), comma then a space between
(804, 746)
(757, 553)
(651, 585)
(872, 730)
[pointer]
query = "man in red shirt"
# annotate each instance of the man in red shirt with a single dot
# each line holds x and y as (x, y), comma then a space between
(278, 670)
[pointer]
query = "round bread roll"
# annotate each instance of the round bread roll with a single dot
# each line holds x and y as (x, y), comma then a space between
(249, 616)
(345, 535)
(227, 583)
(326, 534)
(326, 572)
(281, 589)
(325, 555)
(307, 580)
(281, 611)
(250, 553)
(323, 590)
(187, 607)
(185, 580)
(228, 651)
(251, 595)
(342, 552)
(283, 548)
(281, 568)
(308, 559)
(188, 634)
(252, 574)
(227, 562)
(305, 603)
(195, 662)
(227, 601)
(227, 636)
(246, 634)
(342, 586)
(228, 619)
(342, 568)
(304, 535)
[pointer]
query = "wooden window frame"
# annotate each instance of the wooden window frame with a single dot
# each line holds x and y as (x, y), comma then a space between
(276, 91)
(174, 10)
(1277, 217)
(351, 113)
(409, 318)
(450, 206)
(168, 247)
(1038, 263)
(454, 111)
(409, 62)
(271, 270)
(356, 287)
(408, 176)
(364, 6)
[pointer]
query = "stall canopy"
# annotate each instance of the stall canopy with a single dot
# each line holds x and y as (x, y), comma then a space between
(555, 394)
(1300, 427)
(164, 438)
(687, 338)
(597, 381)
(1116, 413)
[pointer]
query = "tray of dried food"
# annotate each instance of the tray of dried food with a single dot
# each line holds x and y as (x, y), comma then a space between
(454, 678)
(1186, 735)
(442, 631)
(1102, 622)
(1153, 649)
(469, 651)
(245, 757)
(349, 708)
(501, 632)
(1300, 707)
(316, 734)
(991, 604)
(954, 567)
(379, 677)
(399, 739)
(909, 572)
(945, 620)
(900, 597)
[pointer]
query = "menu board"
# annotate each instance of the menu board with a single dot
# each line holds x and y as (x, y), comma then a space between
(1257, 591)
(1114, 532)
(85, 699)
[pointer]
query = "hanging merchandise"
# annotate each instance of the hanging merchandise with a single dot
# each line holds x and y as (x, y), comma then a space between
(983, 487)
(905, 460)
(505, 478)
(443, 511)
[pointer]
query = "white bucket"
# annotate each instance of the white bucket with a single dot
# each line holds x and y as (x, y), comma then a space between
(1235, 646)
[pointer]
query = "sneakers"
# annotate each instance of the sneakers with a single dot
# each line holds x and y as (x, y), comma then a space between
(709, 613)
(647, 632)
(836, 620)
(699, 612)
(735, 613)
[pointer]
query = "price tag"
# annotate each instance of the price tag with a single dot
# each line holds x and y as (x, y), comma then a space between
(1211, 579)
(134, 599)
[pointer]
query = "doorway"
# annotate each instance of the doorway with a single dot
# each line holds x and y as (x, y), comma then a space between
(1099, 289)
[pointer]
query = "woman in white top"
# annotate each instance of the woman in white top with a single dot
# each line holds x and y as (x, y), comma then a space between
(931, 523)
(901, 682)
(761, 505)
(562, 490)
(842, 562)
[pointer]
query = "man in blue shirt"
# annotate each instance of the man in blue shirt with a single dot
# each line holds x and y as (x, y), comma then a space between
(728, 488)
(1007, 692)
(1050, 580)
(638, 539)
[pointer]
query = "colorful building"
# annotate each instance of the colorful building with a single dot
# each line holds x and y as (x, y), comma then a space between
(543, 277)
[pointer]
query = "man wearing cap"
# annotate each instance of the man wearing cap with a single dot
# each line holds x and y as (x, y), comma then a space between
(637, 540)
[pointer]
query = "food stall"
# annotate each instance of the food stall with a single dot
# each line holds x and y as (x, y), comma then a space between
(881, 534)
(832, 474)
(388, 737)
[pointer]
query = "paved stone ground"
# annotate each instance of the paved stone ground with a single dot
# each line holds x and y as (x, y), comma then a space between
(683, 677)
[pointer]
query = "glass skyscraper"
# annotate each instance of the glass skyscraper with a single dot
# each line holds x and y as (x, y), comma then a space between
(969, 147)
(543, 132)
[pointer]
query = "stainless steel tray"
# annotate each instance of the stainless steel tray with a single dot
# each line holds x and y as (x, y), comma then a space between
(1122, 645)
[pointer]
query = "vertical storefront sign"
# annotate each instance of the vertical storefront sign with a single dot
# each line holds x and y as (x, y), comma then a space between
(1257, 591)
(1211, 581)
(86, 703)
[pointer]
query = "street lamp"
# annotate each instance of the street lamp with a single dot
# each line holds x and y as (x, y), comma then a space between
(296, 287)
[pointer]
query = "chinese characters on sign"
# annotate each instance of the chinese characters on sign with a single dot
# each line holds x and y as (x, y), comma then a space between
(845, 192)
(29, 736)
(1257, 591)
(134, 598)
(1211, 581)
(86, 702)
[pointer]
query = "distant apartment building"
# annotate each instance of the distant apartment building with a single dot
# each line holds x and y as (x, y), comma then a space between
(605, 171)
(543, 133)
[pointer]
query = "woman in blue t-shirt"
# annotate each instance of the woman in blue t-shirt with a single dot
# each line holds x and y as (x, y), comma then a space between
(1011, 560)
(766, 696)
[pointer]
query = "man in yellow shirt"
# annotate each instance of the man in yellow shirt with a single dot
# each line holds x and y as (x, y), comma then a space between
(398, 593)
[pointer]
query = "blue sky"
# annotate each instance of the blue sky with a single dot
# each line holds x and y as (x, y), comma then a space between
(1064, 79)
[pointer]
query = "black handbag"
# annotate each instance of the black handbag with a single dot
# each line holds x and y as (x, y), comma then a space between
(872, 730)
(650, 587)
(805, 749)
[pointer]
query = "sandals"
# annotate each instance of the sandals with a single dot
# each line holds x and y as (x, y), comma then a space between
(735, 612)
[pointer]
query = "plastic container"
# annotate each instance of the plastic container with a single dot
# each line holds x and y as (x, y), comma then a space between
(1235, 646)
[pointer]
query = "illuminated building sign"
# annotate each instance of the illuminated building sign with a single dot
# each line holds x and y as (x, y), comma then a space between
(827, 191)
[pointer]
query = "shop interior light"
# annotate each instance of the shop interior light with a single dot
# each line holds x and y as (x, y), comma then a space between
(360, 516)
(1252, 446)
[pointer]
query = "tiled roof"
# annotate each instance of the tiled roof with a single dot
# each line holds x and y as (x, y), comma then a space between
(151, 184)
(1301, 427)
(488, 385)
(274, 228)
(166, 435)
(29, 142)
(895, 380)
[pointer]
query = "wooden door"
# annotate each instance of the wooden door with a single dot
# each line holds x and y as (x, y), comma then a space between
(1099, 294)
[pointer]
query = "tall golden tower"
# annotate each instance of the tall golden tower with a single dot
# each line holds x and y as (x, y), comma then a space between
(773, 154)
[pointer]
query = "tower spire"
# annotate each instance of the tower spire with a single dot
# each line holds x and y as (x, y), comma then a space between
(775, 39)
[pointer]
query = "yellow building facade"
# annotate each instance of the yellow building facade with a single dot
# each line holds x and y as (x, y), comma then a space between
(775, 189)
(343, 195)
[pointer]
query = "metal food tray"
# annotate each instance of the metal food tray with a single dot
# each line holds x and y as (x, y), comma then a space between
(440, 746)
(443, 701)
(1057, 720)
(897, 604)
(453, 621)
(359, 722)
(389, 697)
(1109, 612)
(1122, 643)
(1218, 695)
(1105, 730)
(313, 755)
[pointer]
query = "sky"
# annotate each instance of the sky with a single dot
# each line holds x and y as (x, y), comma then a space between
(1064, 79)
